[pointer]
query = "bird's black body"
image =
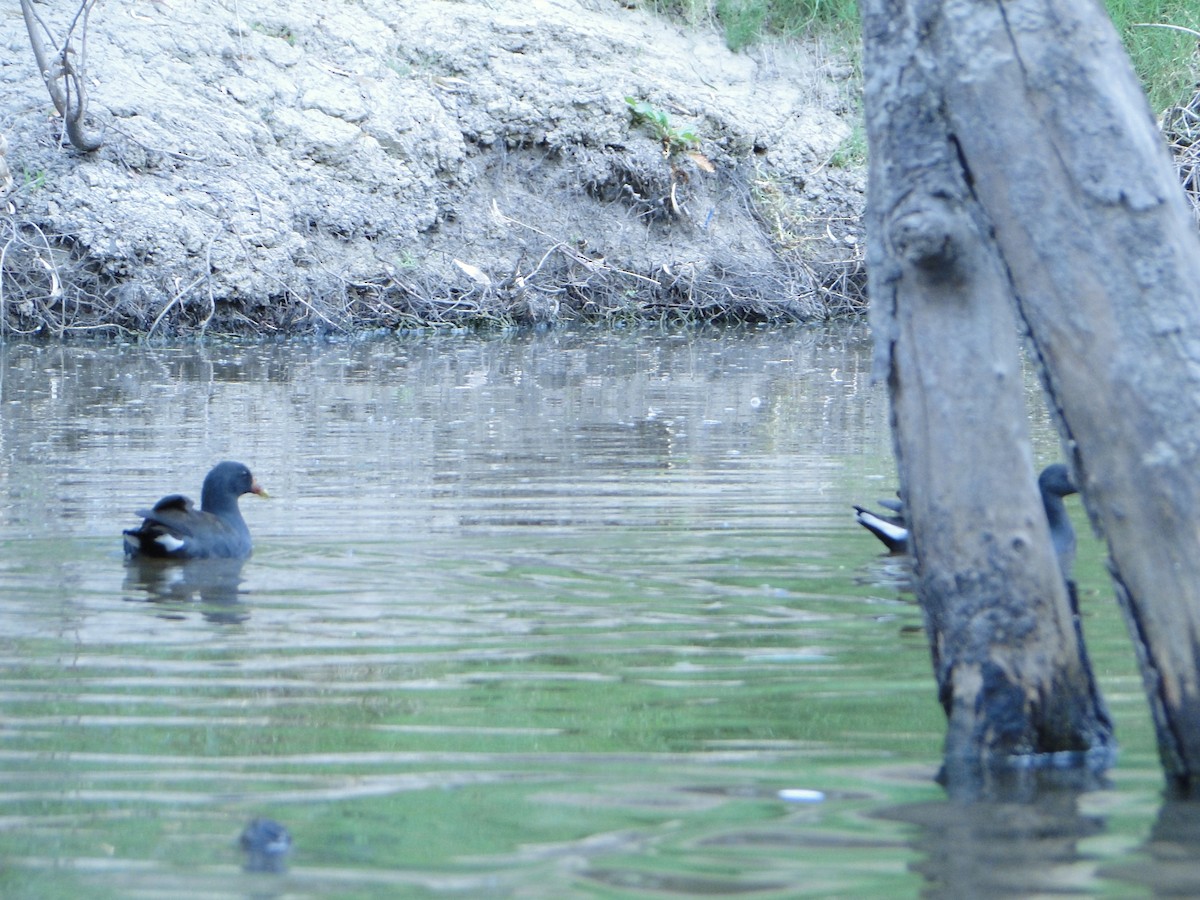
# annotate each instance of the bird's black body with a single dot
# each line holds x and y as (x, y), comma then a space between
(175, 529)
(892, 530)
(1054, 483)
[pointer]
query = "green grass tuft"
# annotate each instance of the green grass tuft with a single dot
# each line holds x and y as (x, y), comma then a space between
(1166, 60)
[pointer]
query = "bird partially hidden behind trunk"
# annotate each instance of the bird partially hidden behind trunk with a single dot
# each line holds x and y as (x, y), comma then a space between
(1054, 483)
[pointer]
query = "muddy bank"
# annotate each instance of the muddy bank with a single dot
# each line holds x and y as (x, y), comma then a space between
(396, 163)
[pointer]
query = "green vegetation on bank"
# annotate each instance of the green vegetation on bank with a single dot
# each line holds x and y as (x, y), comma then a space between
(1165, 58)
(747, 21)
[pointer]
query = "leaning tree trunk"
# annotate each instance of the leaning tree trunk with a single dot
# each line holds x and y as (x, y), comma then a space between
(1056, 159)
(1011, 671)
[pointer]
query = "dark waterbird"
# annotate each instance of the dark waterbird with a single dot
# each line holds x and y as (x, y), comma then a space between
(891, 528)
(175, 529)
(1054, 483)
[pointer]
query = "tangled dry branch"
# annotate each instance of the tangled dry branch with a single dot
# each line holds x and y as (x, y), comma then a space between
(1181, 127)
(65, 73)
(45, 289)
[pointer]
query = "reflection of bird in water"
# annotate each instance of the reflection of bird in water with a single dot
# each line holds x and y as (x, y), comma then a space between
(1054, 483)
(175, 529)
(266, 844)
(212, 582)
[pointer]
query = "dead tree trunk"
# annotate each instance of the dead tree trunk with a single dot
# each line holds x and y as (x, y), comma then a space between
(1011, 672)
(1033, 113)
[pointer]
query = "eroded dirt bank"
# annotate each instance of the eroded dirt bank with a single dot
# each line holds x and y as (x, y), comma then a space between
(392, 163)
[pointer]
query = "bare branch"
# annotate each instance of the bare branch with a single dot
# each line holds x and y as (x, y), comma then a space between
(63, 77)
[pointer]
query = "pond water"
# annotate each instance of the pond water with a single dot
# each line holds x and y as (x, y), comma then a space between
(575, 614)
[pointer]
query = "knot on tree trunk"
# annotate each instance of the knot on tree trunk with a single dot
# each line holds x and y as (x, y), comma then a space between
(926, 236)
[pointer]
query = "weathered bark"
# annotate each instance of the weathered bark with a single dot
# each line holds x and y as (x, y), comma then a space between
(1064, 155)
(1055, 147)
(1010, 666)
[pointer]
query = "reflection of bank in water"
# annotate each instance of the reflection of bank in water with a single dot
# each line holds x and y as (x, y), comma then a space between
(211, 582)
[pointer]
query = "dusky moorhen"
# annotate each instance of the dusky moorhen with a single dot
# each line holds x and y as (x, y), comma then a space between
(175, 529)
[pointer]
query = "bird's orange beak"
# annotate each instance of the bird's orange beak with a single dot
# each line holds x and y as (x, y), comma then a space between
(256, 488)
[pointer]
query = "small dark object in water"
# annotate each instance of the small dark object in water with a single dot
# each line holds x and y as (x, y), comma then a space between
(266, 844)
(1054, 483)
(175, 529)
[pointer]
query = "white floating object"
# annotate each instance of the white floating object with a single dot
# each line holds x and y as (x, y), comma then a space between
(801, 795)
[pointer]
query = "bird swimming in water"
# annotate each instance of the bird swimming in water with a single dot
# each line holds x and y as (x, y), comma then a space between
(1054, 483)
(175, 529)
(891, 529)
